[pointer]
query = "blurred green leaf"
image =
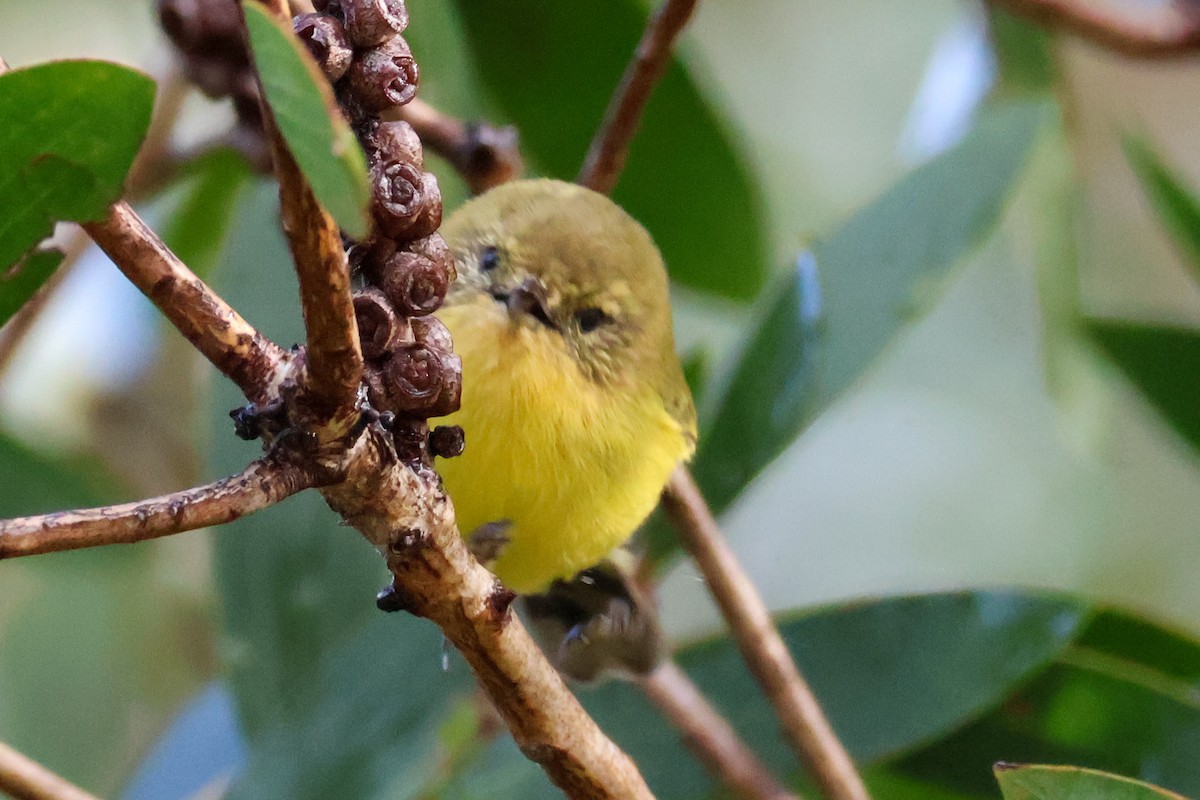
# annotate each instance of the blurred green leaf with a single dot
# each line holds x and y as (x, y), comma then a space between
(1023, 50)
(1037, 782)
(305, 110)
(1128, 706)
(885, 262)
(199, 225)
(827, 322)
(369, 728)
(1163, 363)
(35, 484)
(924, 664)
(1177, 206)
(685, 180)
(68, 133)
(774, 392)
(883, 784)
(1137, 641)
(20, 283)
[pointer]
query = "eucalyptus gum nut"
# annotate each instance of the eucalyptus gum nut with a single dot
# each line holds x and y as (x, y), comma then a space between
(370, 23)
(326, 40)
(378, 323)
(414, 284)
(405, 202)
(395, 141)
(384, 77)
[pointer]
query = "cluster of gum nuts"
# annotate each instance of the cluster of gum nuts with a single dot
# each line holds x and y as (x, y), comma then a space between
(404, 269)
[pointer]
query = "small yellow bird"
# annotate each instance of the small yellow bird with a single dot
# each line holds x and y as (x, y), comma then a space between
(574, 404)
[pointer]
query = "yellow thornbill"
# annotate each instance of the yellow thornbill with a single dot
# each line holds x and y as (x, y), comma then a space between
(574, 405)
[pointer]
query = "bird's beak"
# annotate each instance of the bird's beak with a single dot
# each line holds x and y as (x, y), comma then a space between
(530, 298)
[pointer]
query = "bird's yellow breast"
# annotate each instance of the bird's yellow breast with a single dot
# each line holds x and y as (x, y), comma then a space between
(574, 466)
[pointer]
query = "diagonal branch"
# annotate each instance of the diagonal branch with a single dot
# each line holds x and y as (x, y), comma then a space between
(709, 735)
(483, 155)
(1137, 30)
(606, 157)
(234, 347)
(407, 515)
(24, 779)
(334, 362)
(763, 649)
(264, 483)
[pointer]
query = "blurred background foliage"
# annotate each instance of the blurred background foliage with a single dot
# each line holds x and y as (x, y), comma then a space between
(936, 277)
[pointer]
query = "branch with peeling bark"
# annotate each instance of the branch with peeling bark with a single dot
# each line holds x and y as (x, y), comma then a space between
(264, 483)
(1160, 30)
(409, 518)
(221, 335)
(22, 778)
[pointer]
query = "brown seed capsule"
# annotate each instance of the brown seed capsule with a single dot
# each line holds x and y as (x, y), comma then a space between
(434, 248)
(377, 391)
(413, 283)
(413, 377)
(373, 22)
(385, 76)
(447, 441)
(430, 332)
(325, 38)
(378, 323)
(424, 381)
(450, 398)
(410, 438)
(406, 203)
(395, 141)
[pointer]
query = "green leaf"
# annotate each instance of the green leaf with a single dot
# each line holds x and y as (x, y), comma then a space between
(827, 322)
(36, 484)
(1177, 206)
(1123, 698)
(307, 114)
(69, 131)
(925, 664)
(1024, 50)
(199, 225)
(370, 722)
(1164, 363)
(685, 180)
(876, 268)
(774, 392)
(24, 279)
(1037, 782)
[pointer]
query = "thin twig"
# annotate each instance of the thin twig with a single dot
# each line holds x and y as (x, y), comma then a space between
(334, 362)
(485, 156)
(763, 649)
(709, 735)
(234, 347)
(22, 778)
(407, 516)
(1137, 30)
(263, 483)
(606, 157)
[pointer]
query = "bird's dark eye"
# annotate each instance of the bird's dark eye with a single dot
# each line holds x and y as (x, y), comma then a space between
(489, 259)
(591, 318)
